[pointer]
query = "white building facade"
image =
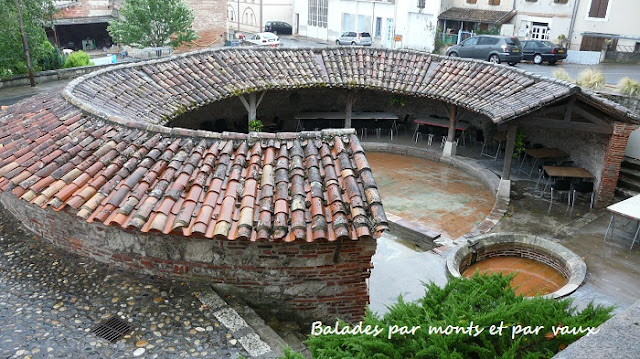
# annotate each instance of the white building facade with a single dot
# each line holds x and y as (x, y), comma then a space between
(391, 23)
(250, 16)
(543, 19)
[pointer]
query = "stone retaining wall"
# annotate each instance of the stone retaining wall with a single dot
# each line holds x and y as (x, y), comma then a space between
(308, 281)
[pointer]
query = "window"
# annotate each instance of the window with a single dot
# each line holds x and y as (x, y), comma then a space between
(471, 41)
(494, 2)
(598, 8)
(560, 1)
(318, 11)
(421, 4)
(471, 1)
(488, 40)
(529, 45)
(540, 31)
(378, 31)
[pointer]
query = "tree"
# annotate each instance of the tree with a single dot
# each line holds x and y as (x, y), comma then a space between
(153, 23)
(35, 15)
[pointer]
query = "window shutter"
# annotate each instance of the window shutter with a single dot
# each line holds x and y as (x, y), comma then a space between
(598, 8)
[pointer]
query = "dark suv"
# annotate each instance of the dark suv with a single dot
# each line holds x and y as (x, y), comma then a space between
(278, 27)
(491, 48)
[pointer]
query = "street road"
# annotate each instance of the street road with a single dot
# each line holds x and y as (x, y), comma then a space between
(612, 72)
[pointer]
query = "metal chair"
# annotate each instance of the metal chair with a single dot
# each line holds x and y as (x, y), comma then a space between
(541, 175)
(561, 186)
(583, 187)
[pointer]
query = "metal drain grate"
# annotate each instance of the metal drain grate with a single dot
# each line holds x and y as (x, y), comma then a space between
(112, 329)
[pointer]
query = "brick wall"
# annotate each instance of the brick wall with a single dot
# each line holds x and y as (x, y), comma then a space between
(210, 21)
(87, 8)
(611, 163)
(293, 279)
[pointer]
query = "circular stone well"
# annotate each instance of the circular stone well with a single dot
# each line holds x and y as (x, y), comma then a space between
(534, 252)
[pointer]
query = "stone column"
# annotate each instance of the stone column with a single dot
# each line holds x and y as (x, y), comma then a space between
(450, 146)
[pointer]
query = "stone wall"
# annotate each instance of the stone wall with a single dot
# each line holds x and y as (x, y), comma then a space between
(210, 21)
(586, 149)
(306, 281)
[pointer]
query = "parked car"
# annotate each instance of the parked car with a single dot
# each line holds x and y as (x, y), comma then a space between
(354, 38)
(539, 51)
(491, 48)
(263, 39)
(278, 27)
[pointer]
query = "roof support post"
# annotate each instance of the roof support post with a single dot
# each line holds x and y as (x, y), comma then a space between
(350, 98)
(450, 145)
(512, 130)
(252, 104)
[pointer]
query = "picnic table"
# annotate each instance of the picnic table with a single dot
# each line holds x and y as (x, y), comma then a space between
(540, 154)
(629, 208)
(565, 172)
(361, 117)
(441, 122)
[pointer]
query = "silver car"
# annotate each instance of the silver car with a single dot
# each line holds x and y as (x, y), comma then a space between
(354, 38)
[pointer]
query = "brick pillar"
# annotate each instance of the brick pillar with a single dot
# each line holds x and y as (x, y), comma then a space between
(612, 160)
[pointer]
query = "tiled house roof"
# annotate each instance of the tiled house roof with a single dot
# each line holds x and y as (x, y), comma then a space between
(101, 148)
(477, 15)
(307, 186)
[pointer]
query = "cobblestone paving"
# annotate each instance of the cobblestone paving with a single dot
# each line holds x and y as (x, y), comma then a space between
(50, 300)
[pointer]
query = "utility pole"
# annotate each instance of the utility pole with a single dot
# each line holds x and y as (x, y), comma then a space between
(25, 45)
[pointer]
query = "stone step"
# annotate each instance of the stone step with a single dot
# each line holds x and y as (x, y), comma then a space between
(623, 193)
(630, 173)
(629, 182)
(631, 163)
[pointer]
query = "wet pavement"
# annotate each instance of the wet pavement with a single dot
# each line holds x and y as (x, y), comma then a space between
(400, 269)
(438, 196)
(51, 300)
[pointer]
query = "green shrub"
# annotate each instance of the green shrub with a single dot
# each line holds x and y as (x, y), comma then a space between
(591, 79)
(485, 300)
(629, 87)
(77, 59)
(51, 59)
(255, 126)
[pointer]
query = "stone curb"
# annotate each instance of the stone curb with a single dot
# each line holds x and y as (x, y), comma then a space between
(240, 329)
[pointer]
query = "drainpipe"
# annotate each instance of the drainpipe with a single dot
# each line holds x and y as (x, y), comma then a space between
(573, 20)
(261, 27)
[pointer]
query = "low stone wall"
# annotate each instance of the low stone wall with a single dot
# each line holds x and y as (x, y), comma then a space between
(583, 57)
(306, 281)
(569, 264)
(50, 75)
(622, 57)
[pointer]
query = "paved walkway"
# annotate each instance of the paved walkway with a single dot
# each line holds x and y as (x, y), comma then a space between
(50, 301)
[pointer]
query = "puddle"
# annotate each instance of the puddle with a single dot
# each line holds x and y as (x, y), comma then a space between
(532, 278)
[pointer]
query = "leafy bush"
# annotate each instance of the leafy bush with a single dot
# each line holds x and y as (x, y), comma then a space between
(51, 59)
(562, 75)
(255, 126)
(591, 79)
(77, 59)
(483, 300)
(629, 87)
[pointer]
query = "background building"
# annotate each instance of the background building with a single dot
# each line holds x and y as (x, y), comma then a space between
(82, 24)
(249, 16)
(391, 23)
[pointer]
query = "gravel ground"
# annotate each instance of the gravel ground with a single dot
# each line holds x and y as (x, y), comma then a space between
(50, 301)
